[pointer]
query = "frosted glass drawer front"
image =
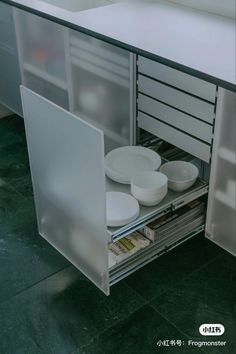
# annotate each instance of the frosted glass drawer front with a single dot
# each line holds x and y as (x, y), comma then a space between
(67, 167)
(175, 118)
(177, 78)
(176, 98)
(175, 137)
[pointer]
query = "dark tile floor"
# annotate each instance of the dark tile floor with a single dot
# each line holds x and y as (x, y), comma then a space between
(47, 306)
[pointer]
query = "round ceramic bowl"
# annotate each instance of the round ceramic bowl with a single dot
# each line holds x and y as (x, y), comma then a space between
(149, 187)
(181, 174)
(152, 201)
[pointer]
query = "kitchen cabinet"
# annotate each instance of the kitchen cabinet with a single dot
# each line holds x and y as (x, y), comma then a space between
(84, 75)
(70, 184)
(9, 66)
(82, 97)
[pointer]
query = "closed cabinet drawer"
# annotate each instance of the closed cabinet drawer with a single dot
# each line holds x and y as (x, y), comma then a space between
(175, 118)
(177, 99)
(193, 146)
(177, 78)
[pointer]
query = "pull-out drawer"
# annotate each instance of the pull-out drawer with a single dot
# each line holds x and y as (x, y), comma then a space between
(177, 99)
(177, 78)
(185, 142)
(69, 183)
(175, 118)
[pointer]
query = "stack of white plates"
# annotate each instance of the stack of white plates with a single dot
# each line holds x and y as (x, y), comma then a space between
(149, 187)
(124, 162)
(121, 208)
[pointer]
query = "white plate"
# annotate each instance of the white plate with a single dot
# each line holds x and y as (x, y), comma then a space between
(123, 162)
(121, 208)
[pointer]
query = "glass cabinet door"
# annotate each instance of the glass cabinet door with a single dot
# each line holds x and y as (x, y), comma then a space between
(102, 86)
(87, 76)
(42, 56)
(67, 167)
(221, 213)
(10, 79)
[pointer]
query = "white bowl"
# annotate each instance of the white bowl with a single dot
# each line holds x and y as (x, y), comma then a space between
(152, 201)
(149, 187)
(181, 174)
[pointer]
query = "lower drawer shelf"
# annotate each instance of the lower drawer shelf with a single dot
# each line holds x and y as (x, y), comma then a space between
(172, 201)
(147, 255)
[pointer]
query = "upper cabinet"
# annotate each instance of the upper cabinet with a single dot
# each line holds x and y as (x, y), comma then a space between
(84, 75)
(9, 65)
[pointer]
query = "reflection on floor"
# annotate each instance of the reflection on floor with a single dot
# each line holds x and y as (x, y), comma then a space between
(47, 306)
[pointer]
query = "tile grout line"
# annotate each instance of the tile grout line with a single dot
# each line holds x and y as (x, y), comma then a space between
(170, 322)
(9, 185)
(135, 291)
(28, 198)
(187, 277)
(202, 267)
(33, 285)
(108, 328)
(180, 281)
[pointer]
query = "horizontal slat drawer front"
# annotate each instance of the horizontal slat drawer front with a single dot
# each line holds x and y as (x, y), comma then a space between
(177, 78)
(175, 118)
(175, 137)
(177, 99)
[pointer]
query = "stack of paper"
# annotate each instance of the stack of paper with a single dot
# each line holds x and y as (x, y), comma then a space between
(126, 247)
(175, 222)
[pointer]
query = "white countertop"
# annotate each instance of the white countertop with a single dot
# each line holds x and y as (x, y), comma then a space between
(197, 42)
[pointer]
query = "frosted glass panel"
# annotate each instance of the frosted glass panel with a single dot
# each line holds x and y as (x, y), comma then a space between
(84, 75)
(221, 213)
(9, 66)
(101, 86)
(67, 166)
(42, 56)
